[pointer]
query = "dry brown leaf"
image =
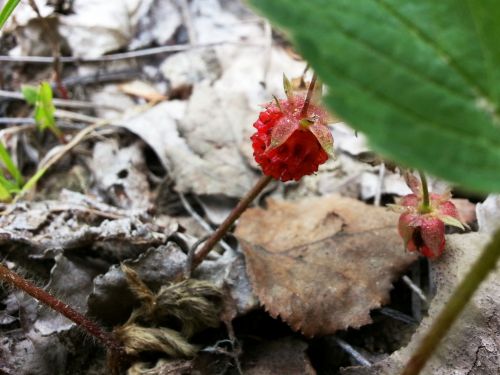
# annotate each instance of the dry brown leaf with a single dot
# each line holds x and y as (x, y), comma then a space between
(142, 89)
(322, 264)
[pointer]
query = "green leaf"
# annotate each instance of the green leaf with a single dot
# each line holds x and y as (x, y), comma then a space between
(10, 186)
(7, 10)
(11, 167)
(324, 137)
(30, 93)
(44, 111)
(4, 194)
(420, 78)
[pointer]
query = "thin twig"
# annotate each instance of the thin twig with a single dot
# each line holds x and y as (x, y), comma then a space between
(380, 185)
(415, 288)
(397, 315)
(483, 266)
(58, 102)
(357, 356)
(203, 223)
(233, 216)
(310, 92)
(122, 56)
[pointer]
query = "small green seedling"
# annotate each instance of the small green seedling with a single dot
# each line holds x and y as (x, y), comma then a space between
(41, 98)
(13, 182)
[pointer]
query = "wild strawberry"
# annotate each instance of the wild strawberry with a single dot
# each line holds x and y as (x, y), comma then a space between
(289, 144)
(421, 225)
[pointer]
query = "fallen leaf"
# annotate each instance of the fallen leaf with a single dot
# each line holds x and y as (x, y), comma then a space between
(488, 214)
(72, 278)
(120, 173)
(473, 344)
(143, 90)
(322, 264)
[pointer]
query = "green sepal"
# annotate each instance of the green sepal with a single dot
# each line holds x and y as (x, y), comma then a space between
(283, 129)
(324, 137)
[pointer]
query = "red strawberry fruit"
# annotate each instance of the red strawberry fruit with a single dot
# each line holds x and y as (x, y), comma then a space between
(289, 143)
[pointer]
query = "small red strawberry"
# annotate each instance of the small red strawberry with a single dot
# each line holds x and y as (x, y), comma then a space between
(422, 225)
(289, 143)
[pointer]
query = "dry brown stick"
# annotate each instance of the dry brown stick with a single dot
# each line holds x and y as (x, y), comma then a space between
(233, 216)
(41, 295)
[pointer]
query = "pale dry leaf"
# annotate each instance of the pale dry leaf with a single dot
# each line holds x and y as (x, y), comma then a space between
(488, 214)
(322, 264)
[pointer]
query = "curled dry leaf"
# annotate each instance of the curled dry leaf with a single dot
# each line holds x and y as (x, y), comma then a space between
(322, 264)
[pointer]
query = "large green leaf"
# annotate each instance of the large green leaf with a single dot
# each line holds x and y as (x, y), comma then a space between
(420, 78)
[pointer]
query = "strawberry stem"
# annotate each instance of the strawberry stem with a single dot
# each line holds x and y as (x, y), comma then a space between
(452, 309)
(310, 92)
(106, 338)
(426, 204)
(233, 216)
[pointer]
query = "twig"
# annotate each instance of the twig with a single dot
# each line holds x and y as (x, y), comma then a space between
(62, 114)
(200, 220)
(58, 102)
(41, 295)
(357, 356)
(121, 56)
(310, 92)
(102, 77)
(414, 288)
(397, 315)
(463, 293)
(233, 216)
(380, 184)
(17, 120)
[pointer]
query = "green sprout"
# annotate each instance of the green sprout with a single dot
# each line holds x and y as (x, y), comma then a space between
(10, 183)
(41, 98)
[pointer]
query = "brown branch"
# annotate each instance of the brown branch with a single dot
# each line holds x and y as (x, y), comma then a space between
(106, 338)
(310, 92)
(233, 216)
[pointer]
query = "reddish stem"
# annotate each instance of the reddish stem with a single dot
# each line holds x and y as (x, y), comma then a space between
(41, 295)
(233, 216)
(310, 92)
